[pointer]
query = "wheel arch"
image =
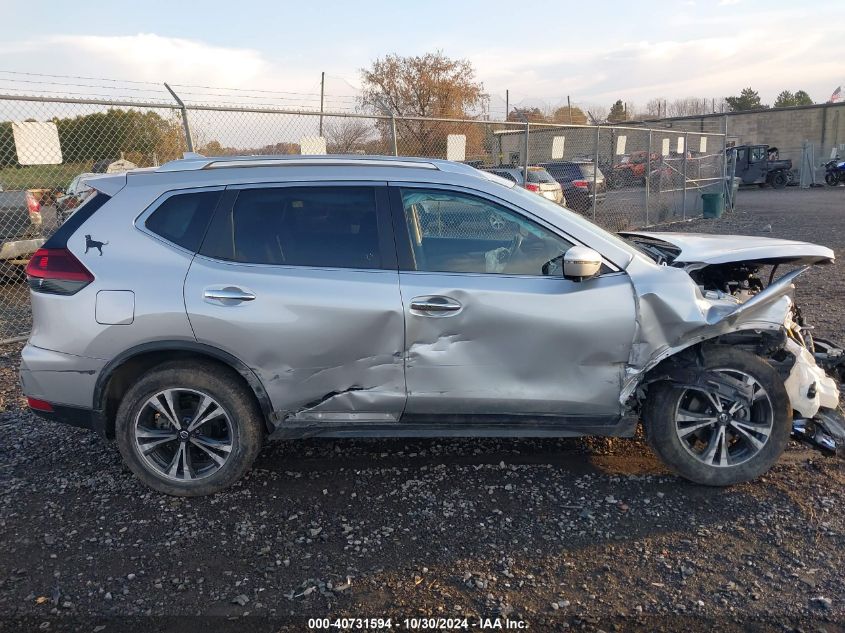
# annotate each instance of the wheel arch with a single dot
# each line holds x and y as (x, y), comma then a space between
(666, 367)
(123, 369)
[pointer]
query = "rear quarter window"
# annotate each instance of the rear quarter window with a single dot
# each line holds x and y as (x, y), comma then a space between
(183, 218)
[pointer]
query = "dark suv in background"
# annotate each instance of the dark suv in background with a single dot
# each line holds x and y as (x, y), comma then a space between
(578, 179)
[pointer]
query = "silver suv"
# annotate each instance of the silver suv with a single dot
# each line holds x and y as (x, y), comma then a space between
(193, 310)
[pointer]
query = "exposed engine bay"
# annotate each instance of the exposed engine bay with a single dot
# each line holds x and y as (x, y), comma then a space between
(739, 268)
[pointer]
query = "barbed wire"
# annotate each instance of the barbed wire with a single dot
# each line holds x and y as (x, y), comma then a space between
(495, 106)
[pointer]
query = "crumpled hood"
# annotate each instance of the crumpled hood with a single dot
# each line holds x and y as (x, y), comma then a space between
(704, 248)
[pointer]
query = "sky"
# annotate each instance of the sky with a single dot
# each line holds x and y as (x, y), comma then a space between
(594, 52)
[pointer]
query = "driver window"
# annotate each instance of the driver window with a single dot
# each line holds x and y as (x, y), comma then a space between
(757, 154)
(459, 233)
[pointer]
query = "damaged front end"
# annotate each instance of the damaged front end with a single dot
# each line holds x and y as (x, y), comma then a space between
(814, 396)
(729, 304)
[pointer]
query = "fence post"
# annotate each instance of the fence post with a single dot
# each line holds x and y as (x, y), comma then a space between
(189, 142)
(684, 196)
(322, 98)
(393, 134)
(595, 171)
(729, 186)
(647, 176)
(525, 155)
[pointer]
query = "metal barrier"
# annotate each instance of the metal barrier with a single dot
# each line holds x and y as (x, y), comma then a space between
(619, 177)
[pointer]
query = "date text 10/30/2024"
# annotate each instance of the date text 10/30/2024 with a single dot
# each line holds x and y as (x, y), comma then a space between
(435, 624)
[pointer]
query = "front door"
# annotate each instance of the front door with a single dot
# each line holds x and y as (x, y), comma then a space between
(300, 283)
(492, 327)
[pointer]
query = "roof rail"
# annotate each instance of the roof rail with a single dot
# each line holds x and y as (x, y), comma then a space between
(195, 162)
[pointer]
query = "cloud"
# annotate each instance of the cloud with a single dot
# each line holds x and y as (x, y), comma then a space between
(152, 57)
(148, 57)
(697, 52)
(712, 57)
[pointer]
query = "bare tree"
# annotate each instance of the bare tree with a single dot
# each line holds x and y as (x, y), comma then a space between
(347, 135)
(596, 113)
(654, 108)
(431, 85)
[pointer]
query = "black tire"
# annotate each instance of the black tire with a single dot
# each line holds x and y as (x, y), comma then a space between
(831, 179)
(664, 399)
(221, 384)
(779, 180)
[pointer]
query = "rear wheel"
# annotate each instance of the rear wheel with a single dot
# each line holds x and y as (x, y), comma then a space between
(189, 429)
(729, 427)
(779, 180)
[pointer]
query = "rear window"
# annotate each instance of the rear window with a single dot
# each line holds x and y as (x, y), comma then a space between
(183, 218)
(503, 174)
(564, 171)
(588, 170)
(540, 175)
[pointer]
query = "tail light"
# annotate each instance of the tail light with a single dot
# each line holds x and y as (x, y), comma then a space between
(57, 271)
(32, 205)
(580, 184)
(532, 187)
(39, 405)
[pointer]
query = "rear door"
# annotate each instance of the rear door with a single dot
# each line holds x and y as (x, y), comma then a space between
(300, 283)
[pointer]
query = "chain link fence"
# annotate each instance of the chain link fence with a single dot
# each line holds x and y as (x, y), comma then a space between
(619, 177)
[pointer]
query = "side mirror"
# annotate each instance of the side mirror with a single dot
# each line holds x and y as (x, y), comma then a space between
(580, 263)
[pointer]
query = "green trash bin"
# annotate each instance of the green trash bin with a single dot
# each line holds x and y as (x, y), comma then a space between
(713, 204)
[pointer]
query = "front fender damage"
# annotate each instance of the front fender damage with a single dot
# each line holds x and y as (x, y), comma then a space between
(676, 316)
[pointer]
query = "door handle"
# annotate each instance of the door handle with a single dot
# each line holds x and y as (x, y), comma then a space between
(228, 296)
(435, 304)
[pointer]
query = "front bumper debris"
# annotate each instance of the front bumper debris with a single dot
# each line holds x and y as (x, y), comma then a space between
(826, 431)
(830, 357)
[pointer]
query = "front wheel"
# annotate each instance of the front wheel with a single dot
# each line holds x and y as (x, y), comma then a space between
(831, 179)
(189, 429)
(730, 426)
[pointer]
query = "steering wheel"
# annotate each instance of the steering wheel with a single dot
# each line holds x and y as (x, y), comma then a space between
(516, 244)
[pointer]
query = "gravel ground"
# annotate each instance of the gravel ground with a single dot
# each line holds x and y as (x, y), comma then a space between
(556, 534)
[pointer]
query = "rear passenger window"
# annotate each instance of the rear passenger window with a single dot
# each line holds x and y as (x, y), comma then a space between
(183, 218)
(334, 227)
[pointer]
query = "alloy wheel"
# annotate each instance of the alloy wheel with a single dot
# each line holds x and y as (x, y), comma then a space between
(183, 434)
(726, 422)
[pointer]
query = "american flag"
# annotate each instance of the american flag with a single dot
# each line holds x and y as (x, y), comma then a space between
(836, 96)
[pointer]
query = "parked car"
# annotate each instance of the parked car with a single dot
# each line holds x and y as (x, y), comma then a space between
(20, 225)
(539, 181)
(194, 310)
(73, 196)
(580, 181)
(631, 169)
